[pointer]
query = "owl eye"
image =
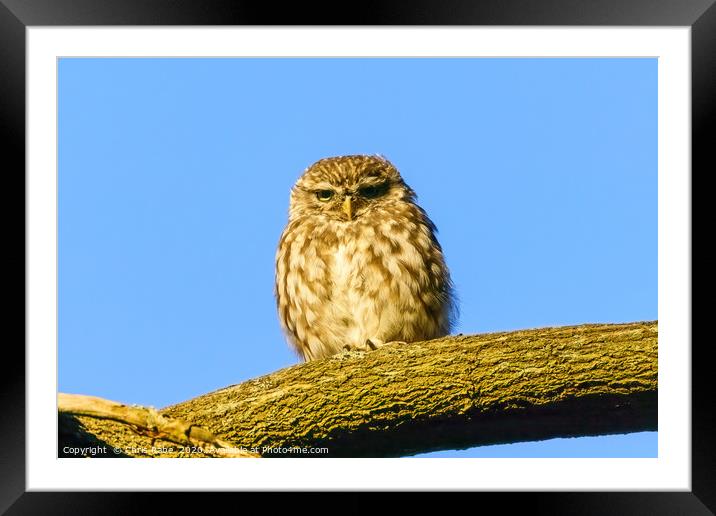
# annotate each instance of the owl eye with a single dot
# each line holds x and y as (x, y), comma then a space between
(324, 195)
(371, 192)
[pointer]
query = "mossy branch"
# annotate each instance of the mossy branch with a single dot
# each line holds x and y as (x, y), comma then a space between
(147, 422)
(454, 392)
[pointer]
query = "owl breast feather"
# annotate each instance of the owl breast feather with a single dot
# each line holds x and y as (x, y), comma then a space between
(340, 284)
(379, 284)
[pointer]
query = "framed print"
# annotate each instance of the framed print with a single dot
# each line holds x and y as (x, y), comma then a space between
(216, 196)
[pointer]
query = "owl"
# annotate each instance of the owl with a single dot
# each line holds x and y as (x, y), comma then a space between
(358, 264)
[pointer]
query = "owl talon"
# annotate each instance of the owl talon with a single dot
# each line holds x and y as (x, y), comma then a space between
(374, 343)
(368, 345)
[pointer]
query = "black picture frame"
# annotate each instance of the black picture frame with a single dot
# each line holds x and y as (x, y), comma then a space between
(699, 15)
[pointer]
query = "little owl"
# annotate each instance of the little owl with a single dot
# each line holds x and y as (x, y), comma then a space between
(358, 264)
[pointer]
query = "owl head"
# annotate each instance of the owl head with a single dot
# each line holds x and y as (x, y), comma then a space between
(346, 188)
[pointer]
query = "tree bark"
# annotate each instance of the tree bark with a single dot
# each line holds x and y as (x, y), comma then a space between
(449, 393)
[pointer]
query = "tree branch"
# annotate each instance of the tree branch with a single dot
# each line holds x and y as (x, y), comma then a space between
(454, 392)
(146, 421)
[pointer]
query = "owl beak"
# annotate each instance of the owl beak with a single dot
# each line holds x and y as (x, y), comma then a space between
(348, 207)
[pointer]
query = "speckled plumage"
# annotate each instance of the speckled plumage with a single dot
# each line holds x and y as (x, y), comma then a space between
(368, 268)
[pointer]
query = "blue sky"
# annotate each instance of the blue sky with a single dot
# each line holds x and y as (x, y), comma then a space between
(174, 175)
